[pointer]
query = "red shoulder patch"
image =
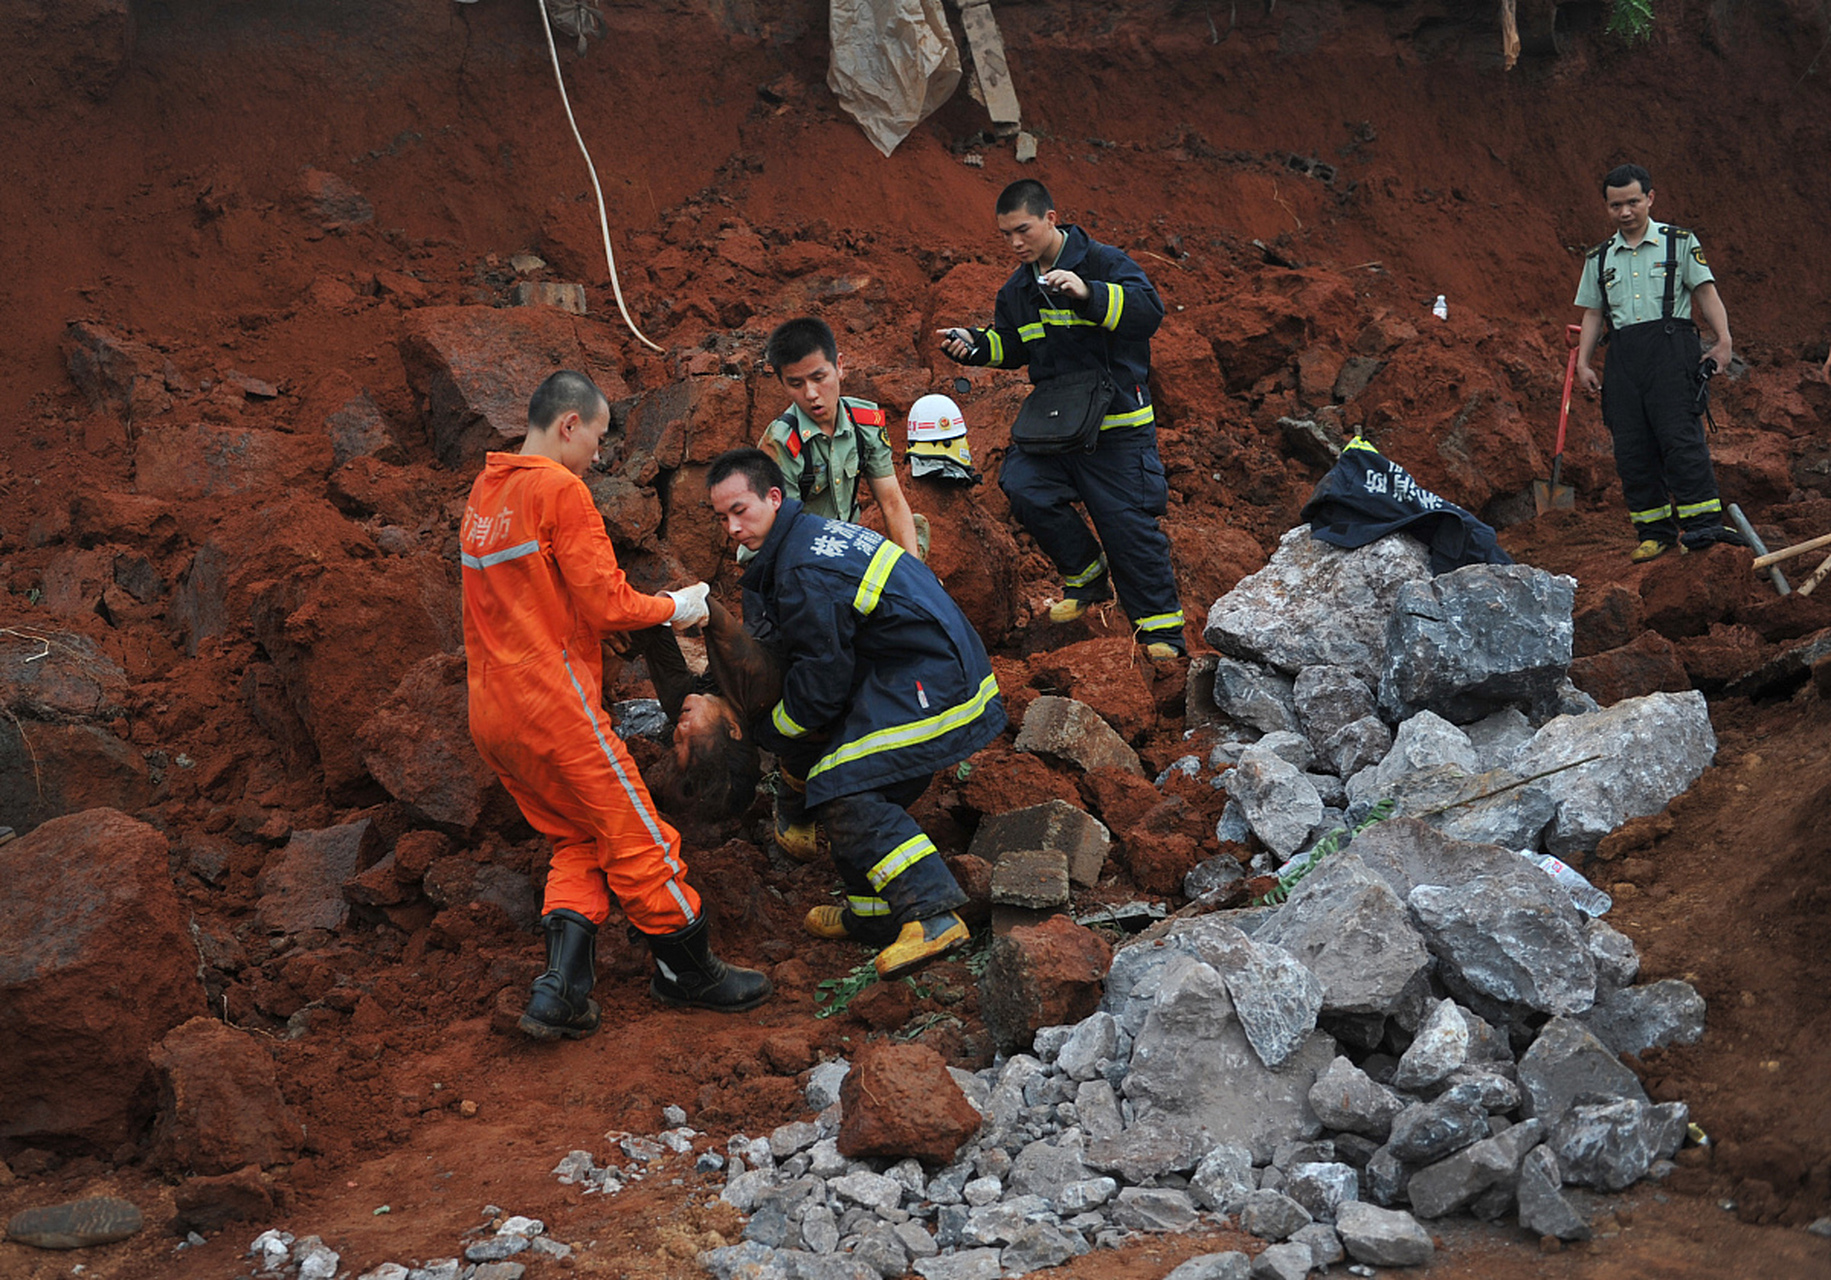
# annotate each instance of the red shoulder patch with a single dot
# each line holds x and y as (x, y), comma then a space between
(793, 443)
(869, 417)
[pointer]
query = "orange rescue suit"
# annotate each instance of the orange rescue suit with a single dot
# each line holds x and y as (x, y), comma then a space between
(541, 589)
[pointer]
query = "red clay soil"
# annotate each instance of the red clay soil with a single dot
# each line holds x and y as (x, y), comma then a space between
(177, 185)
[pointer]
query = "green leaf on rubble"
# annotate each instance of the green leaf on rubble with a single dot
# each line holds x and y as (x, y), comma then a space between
(1331, 843)
(1631, 20)
(833, 995)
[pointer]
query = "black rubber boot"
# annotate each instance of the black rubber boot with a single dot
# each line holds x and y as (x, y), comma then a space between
(560, 1006)
(687, 973)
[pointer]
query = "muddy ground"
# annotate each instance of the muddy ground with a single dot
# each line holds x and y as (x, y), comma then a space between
(173, 174)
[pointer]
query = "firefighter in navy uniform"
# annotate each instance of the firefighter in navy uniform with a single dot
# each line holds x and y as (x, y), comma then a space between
(1074, 304)
(1640, 289)
(884, 681)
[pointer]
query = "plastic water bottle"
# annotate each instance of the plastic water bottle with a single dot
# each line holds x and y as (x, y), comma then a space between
(1585, 896)
(1441, 308)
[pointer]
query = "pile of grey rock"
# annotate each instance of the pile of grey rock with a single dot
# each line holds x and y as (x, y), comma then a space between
(1427, 1027)
(1348, 677)
(491, 1255)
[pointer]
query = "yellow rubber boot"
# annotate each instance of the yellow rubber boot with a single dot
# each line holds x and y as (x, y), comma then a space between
(920, 941)
(1067, 611)
(1651, 549)
(827, 922)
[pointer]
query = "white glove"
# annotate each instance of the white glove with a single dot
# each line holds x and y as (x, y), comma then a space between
(689, 605)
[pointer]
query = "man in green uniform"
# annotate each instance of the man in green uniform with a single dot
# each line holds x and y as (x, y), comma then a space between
(1639, 290)
(823, 443)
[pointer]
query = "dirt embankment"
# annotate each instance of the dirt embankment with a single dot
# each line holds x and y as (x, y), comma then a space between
(244, 496)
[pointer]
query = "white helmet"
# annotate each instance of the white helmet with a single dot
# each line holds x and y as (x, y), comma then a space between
(935, 418)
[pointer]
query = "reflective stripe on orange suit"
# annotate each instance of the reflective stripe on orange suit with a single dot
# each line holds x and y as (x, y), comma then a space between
(541, 588)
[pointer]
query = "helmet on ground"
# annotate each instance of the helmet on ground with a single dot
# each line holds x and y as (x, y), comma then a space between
(937, 440)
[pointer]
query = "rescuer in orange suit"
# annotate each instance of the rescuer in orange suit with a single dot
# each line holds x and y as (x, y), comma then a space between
(542, 588)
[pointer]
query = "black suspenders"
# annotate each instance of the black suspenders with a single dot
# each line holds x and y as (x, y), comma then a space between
(1665, 309)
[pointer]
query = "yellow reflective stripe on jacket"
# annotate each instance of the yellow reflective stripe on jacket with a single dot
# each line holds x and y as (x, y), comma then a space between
(995, 345)
(877, 573)
(908, 735)
(1650, 514)
(1115, 306)
(1688, 509)
(1159, 621)
(1087, 575)
(899, 860)
(867, 906)
(1063, 319)
(785, 724)
(1359, 442)
(1136, 418)
(1030, 332)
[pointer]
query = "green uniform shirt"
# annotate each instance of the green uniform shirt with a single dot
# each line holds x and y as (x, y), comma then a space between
(1636, 278)
(855, 447)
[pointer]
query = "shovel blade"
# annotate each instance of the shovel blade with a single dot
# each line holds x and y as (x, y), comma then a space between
(1548, 495)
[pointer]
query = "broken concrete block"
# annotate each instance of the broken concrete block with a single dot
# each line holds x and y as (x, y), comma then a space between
(1082, 838)
(1074, 731)
(1034, 878)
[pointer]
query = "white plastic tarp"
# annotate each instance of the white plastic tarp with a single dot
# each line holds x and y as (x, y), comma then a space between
(894, 63)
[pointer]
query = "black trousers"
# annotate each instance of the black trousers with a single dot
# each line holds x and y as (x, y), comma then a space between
(1121, 484)
(1649, 403)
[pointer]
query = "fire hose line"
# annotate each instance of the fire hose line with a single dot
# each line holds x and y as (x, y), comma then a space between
(546, 25)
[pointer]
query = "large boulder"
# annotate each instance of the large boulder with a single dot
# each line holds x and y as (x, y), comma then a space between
(1512, 937)
(1485, 636)
(1317, 605)
(418, 745)
(473, 369)
(1194, 1068)
(1622, 762)
(1353, 932)
(220, 1105)
(1071, 731)
(96, 965)
(341, 639)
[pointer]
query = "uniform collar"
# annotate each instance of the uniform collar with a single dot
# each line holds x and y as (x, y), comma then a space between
(808, 428)
(1655, 238)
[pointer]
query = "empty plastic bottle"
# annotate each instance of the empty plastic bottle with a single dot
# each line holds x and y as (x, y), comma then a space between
(1441, 308)
(1585, 896)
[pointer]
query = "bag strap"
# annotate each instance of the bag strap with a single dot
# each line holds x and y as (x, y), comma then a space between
(1608, 311)
(805, 481)
(1665, 309)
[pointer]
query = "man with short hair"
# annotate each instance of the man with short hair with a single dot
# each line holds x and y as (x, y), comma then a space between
(1640, 289)
(542, 588)
(825, 441)
(1075, 305)
(884, 681)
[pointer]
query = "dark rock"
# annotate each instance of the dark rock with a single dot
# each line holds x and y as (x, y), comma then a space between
(89, 922)
(1054, 825)
(418, 746)
(302, 887)
(76, 1224)
(220, 1104)
(210, 1203)
(1484, 636)
(473, 368)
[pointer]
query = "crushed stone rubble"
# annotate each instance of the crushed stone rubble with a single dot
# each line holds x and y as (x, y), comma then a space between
(500, 1249)
(1430, 1023)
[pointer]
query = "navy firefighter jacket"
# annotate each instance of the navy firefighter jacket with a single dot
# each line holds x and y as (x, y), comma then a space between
(876, 657)
(1054, 334)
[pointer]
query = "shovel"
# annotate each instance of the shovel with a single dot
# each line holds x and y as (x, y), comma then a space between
(1549, 495)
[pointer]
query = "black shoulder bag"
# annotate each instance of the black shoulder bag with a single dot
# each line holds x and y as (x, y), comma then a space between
(1063, 413)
